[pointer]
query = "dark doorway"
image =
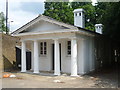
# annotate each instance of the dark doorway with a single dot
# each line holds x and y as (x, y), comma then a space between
(53, 56)
(18, 59)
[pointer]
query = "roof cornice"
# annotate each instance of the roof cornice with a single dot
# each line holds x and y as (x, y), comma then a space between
(45, 18)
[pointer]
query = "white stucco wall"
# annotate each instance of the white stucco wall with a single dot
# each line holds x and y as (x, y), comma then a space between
(85, 56)
(85, 47)
(65, 60)
(45, 62)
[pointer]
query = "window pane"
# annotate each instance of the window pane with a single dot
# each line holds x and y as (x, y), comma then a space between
(69, 52)
(41, 44)
(79, 14)
(69, 42)
(69, 47)
(41, 48)
(76, 14)
(45, 48)
(44, 52)
(44, 43)
(41, 52)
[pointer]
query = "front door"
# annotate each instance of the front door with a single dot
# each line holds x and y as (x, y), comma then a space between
(18, 59)
(53, 56)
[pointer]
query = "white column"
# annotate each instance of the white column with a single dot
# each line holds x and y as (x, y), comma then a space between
(23, 57)
(57, 58)
(36, 57)
(32, 56)
(74, 57)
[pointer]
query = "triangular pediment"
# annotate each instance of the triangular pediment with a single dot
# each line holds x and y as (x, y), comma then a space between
(43, 24)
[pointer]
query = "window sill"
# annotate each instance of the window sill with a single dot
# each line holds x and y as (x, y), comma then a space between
(68, 56)
(42, 55)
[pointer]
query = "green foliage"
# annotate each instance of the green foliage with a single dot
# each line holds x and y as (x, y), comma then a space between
(76, 5)
(2, 23)
(63, 11)
(110, 14)
(2, 20)
(60, 11)
(105, 13)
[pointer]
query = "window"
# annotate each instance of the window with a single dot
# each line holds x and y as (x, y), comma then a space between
(43, 48)
(69, 48)
(76, 14)
(79, 14)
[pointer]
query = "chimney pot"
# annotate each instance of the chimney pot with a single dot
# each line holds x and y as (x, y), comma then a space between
(98, 28)
(79, 18)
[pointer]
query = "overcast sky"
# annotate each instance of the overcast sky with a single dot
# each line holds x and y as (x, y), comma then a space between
(22, 11)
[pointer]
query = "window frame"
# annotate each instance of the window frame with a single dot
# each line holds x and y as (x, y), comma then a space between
(43, 48)
(68, 48)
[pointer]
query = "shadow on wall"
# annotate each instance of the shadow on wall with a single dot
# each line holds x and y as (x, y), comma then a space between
(7, 65)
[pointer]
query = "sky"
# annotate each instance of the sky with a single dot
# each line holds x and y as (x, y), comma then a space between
(22, 11)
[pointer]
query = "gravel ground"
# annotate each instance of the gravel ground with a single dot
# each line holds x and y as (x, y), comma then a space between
(108, 78)
(104, 79)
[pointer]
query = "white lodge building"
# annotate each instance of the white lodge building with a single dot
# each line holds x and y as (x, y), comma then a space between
(58, 46)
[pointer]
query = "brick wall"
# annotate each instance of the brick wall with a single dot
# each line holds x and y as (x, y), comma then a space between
(9, 51)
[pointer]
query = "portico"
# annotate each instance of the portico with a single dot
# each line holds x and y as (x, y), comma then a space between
(36, 57)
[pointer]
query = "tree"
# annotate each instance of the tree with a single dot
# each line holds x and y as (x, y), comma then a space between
(60, 11)
(63, 11)
(2, 24)
(76, 5)
(110, 13)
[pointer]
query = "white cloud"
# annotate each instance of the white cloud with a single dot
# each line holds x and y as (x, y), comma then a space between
(20, 18)
(16, 14)
(2, 6)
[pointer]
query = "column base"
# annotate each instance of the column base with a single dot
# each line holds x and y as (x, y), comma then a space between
(36, 72)
(57, 74)
(23, 71)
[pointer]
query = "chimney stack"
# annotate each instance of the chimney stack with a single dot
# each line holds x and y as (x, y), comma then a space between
(98, 28)
(79, 18)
